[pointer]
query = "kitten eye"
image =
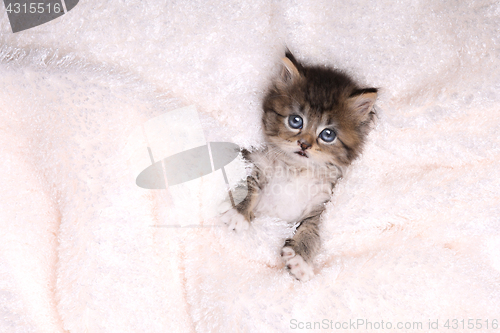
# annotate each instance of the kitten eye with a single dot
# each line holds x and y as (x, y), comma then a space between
(295, 121)
(327, 135)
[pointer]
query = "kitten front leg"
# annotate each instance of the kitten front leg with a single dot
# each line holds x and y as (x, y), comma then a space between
(239, 217)
(299, 251)
(234, 220)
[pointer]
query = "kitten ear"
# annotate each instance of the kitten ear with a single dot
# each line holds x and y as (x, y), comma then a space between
(361, 101)
(291, 68)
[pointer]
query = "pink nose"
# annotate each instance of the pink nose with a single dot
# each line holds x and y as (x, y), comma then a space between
(304, 144)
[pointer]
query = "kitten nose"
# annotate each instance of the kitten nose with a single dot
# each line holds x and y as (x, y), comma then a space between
(304, 144)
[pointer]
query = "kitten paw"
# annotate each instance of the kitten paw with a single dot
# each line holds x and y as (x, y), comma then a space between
(296, 265)
(234, 220)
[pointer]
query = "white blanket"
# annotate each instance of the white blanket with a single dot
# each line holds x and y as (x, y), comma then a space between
(411, 237)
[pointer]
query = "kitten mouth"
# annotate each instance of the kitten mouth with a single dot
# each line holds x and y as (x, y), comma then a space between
(301, 153)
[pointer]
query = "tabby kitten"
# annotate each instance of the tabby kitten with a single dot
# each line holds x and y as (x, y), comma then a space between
(315, 122)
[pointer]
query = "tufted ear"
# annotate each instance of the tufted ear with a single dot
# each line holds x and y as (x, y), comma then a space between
(291, 70)
(361, 101)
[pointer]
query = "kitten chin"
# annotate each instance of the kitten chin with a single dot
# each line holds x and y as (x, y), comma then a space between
(315, 122)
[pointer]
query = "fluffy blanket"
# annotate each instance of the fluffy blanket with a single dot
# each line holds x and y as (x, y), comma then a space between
(411, 239)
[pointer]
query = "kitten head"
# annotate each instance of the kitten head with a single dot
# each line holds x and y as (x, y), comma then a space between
(317, 115)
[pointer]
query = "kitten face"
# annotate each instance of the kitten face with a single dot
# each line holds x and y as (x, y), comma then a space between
(317, 115)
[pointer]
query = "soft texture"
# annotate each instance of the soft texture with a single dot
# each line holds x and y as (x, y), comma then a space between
(412, 232)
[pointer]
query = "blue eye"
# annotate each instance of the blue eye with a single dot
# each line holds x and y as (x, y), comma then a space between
(327, 135)
(295, 121)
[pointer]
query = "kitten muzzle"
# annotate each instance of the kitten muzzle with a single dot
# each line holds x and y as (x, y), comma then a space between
(304, 145)
(302, 153)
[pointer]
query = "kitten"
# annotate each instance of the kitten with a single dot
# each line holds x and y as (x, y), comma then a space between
(315, 122)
